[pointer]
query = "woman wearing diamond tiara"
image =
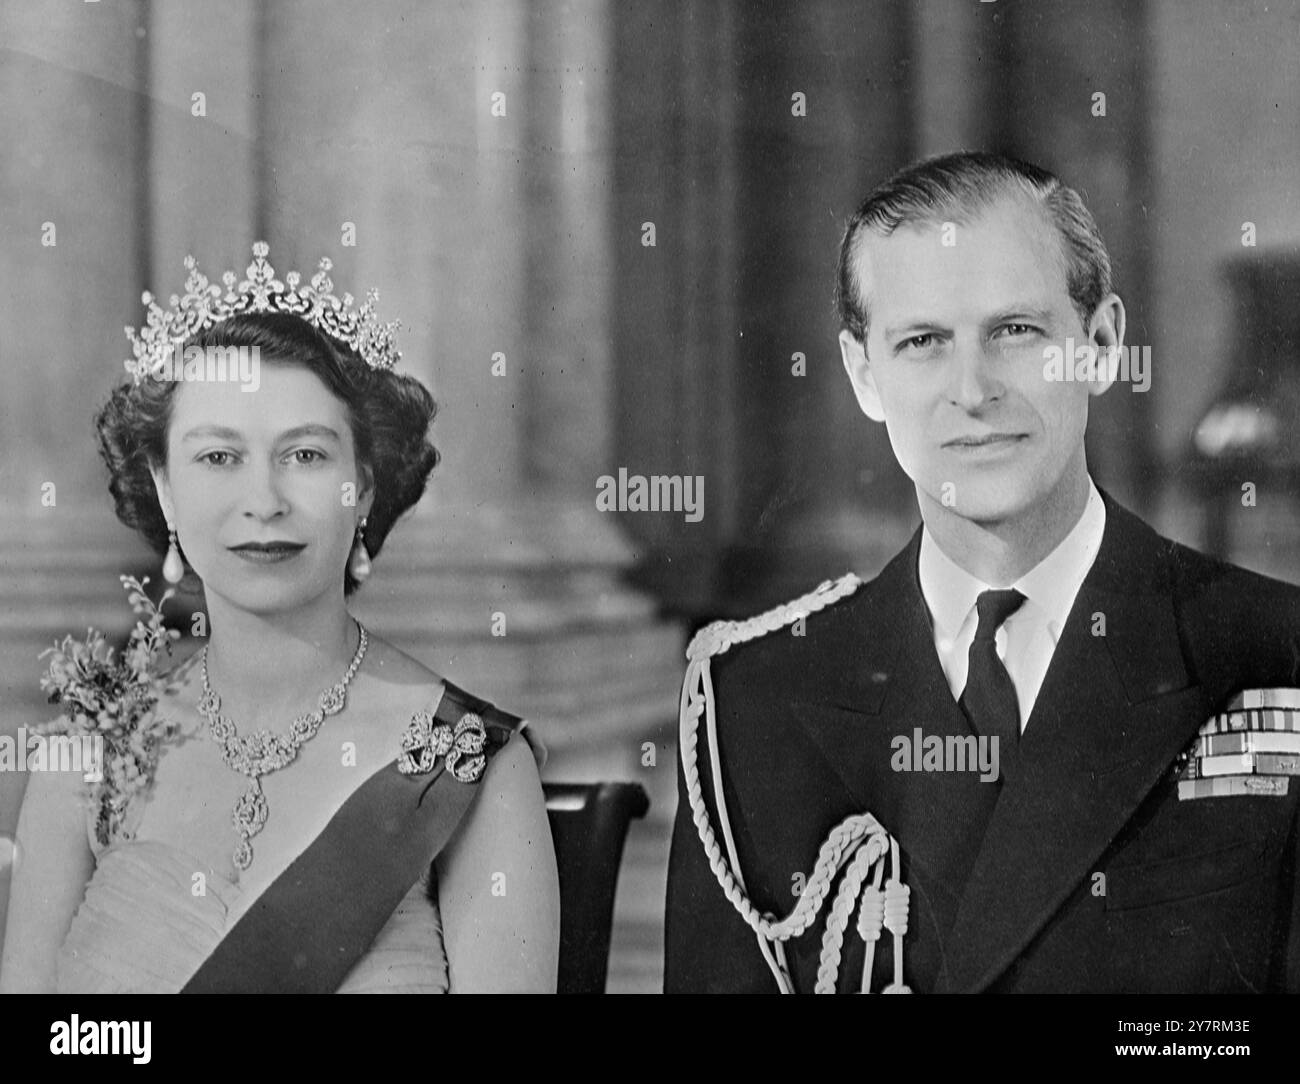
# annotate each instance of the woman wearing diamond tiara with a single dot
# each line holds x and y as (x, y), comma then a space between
(299, 806)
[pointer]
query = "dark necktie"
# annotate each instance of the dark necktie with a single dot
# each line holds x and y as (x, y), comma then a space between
(989, 699)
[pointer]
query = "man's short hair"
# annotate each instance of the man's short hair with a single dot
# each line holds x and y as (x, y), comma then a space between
(957, 187)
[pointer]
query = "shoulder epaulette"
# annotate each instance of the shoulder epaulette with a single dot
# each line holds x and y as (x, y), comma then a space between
(859, 846)
(716, 638)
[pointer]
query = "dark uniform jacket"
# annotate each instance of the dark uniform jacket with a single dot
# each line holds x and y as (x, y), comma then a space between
(1197, 895)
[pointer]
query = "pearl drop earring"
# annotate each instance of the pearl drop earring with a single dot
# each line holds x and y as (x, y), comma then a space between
(359, 559)
(173, 569)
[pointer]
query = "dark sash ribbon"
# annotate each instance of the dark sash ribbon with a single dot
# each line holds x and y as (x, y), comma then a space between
(319, 917)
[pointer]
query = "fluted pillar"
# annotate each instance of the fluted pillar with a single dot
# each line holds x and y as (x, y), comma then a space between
(825, 115)
(476, 176)
(204, 63)
(1085, 116)
(71, 77)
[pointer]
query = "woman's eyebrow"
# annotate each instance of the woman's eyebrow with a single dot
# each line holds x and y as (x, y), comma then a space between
(313, 430)
(222, 432)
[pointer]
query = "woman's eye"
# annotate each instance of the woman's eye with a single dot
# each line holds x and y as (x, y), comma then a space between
(211, 458)
(313, 456)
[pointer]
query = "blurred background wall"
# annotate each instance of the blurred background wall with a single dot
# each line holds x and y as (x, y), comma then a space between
(503, 167)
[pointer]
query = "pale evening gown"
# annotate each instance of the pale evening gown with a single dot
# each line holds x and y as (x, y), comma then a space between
(140, 928)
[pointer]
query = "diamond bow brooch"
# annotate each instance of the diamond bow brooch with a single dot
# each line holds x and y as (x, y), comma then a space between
(424, 742)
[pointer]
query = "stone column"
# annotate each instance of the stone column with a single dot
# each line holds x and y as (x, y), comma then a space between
(823, 493)
(1083, 113)
(476, 174)
(955, 56)
(71, 77)
(677, 375)
(203, 157)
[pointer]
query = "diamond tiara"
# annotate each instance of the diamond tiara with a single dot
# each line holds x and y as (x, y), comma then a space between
(204, 304)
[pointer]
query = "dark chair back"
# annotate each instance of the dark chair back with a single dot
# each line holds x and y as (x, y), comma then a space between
(589, 823)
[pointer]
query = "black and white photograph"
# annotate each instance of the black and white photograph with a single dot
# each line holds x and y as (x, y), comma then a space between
(678, 497)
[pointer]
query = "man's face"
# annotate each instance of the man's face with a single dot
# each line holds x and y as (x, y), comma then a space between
(954, 361)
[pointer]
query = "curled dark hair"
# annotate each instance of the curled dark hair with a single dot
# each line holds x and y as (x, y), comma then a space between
(390, 414)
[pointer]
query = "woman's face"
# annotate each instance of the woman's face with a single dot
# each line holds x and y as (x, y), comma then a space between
(271, 467)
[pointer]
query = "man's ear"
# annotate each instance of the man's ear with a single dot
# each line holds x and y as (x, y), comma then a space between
(1106, 335)
(164, 490)
(860, 376)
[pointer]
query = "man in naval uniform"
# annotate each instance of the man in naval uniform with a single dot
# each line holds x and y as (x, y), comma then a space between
(1141, 832)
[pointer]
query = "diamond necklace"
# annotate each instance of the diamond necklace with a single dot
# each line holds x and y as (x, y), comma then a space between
(262, 752)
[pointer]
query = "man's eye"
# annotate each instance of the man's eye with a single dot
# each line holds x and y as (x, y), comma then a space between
(1018, 330)
(919, 342)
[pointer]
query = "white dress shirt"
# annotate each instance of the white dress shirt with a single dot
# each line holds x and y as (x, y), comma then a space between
(1026, 640)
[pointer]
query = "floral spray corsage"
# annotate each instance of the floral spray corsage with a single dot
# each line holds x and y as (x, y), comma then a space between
(113, 699)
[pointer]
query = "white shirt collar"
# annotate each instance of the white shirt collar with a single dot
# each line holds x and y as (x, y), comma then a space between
(1051, 585)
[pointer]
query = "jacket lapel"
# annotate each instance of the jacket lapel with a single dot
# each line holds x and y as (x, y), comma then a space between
(1113, 713)
(878, 679)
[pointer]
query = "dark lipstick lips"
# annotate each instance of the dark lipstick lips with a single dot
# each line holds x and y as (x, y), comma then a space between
(976, 442)
(270, 547)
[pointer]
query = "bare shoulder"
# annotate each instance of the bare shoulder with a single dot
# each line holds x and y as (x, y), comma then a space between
(390, 665)
(391, 687)
(509, 815)
(54, 808)
(402, 685)
(512, 774)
